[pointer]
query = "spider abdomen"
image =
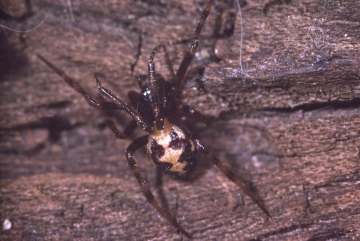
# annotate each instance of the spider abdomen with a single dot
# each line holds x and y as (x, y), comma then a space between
(171, 150)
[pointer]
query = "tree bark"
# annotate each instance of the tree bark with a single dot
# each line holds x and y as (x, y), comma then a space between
(285, 119)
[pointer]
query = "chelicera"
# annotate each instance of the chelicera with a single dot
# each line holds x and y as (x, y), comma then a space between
(157, 110)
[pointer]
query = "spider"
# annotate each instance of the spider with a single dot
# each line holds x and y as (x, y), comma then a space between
(156, 109)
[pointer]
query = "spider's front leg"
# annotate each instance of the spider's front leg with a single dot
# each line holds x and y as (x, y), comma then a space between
(141, 121)
(121, 135)
(142, 141)
(180, 74)
(157, 92)
(72, 83)
(120, 105)
(224, 169)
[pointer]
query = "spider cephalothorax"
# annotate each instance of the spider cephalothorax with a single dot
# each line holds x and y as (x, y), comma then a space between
(158, 112)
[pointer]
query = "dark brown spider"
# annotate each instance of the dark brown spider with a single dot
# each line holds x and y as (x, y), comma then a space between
(156, 110)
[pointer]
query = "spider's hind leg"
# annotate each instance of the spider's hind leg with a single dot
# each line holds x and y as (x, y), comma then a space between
(224, 169)
(142, 141)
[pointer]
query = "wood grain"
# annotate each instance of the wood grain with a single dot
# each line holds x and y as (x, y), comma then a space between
(288, 123)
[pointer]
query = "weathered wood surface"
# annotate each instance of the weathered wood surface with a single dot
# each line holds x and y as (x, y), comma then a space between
(289, 123)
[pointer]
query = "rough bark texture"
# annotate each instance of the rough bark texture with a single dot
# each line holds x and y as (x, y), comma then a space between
(287, 121)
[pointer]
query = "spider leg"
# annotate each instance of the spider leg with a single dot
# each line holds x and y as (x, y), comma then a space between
(224, 169)
(168, 62)
(92, 102)
(194, 44)
(124, 105)
(140, 80)
(110, 123)
(135, 100)
(121, 135)
(139, 142)
(105, 106)
(156, 91)
(116, 102)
